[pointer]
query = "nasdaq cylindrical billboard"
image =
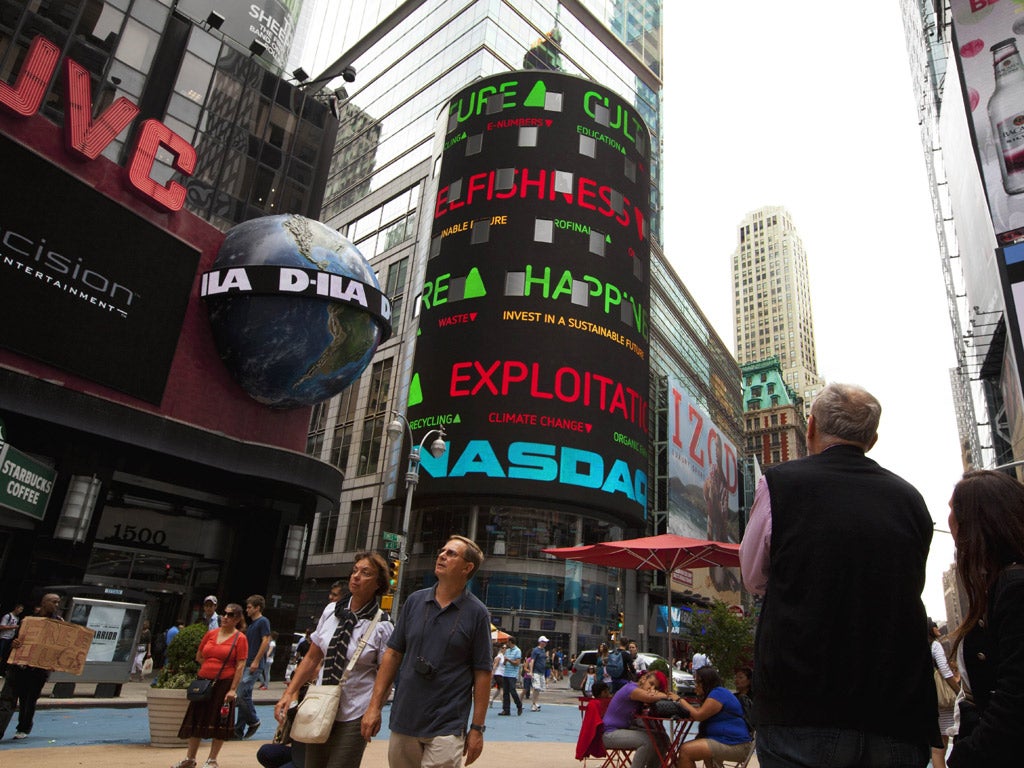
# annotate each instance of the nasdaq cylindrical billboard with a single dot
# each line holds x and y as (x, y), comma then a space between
(533, 341)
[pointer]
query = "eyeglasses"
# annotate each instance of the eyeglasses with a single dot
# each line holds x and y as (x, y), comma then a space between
(449, 553)
(230, 614)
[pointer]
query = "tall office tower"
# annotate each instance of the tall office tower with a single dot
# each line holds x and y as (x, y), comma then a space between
(955, 599)
(382, 193)
(952, 60)
(773, 299)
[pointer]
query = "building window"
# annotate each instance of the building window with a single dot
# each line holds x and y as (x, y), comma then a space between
(358, 524)
(395, 290)
(376, 417)
(326, 530)
(344, 427)
(317, 429)
(341, 444)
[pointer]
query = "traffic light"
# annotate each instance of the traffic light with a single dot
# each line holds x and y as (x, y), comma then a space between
(622, 622)
(395, 565)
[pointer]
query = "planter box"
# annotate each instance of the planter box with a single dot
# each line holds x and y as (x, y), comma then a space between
(166, 711)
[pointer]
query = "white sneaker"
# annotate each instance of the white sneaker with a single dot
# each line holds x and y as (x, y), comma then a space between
(535, 708)
(21, 735)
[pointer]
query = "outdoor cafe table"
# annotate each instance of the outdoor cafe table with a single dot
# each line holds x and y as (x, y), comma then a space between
(667, 735)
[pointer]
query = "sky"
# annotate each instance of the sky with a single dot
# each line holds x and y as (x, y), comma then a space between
(810, 105)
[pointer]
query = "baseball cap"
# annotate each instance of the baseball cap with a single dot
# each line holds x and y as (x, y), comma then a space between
(542, 639)
(210, 599)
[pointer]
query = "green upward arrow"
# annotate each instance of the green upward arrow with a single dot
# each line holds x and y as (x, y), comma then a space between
(537, 94)
(415, 390)
(474, 285)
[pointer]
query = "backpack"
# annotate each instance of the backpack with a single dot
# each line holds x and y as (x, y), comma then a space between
(615, 666)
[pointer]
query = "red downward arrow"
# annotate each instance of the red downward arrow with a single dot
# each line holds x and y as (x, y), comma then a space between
(550, 122)
(472, 315)
(589, 427)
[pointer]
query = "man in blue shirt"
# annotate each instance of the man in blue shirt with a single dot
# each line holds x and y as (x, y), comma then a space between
(513, 660)
(210, 616)
(258, 635)
(442, 643)
(539, 667)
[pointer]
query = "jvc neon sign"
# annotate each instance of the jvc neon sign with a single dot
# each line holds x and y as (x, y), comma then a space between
(87, 138)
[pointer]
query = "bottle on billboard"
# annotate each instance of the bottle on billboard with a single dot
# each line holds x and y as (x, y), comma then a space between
(1006, 112)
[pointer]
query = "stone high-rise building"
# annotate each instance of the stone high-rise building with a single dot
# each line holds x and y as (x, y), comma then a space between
(772, 295)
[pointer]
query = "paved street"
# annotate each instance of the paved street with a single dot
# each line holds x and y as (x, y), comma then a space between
(84, 726)
(114, 733)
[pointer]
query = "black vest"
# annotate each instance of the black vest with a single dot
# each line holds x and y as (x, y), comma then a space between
(842, 637)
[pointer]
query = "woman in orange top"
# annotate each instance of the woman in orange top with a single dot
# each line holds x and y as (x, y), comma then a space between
(221, 657)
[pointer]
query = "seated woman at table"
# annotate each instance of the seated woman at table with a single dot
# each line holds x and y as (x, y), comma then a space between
(726, 736)
(626, 704)
(744, 682)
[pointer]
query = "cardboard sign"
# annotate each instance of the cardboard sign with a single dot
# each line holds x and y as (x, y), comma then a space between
(52, 644)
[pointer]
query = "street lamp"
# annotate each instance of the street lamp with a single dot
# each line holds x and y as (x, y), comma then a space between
(398, 426)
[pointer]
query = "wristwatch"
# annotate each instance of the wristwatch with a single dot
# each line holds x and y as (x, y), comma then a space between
(475, 727)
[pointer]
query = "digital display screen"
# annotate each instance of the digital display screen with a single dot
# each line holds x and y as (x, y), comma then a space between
(533, 346)
(87, 285)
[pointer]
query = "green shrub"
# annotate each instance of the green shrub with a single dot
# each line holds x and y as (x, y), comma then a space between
(724, 636)
(181, 667)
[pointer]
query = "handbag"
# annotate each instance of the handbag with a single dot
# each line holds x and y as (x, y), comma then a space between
(668, 708)
(314, 717)
(945, 695)
(147, 666)
(201, 689)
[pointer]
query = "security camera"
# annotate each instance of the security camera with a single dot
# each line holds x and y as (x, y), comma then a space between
(349, 74)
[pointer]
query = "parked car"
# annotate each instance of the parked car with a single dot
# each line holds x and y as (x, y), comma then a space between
(682, 681)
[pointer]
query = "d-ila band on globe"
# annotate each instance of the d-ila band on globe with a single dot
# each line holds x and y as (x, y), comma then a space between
(272, 280)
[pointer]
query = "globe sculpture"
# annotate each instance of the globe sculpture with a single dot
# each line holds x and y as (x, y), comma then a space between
(289, 350)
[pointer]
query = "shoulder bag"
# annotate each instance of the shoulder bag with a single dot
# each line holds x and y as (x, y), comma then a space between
(314, 717)
(201, 689)
(944, 694)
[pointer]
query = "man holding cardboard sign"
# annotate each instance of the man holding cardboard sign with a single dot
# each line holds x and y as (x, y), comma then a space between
(36, 652)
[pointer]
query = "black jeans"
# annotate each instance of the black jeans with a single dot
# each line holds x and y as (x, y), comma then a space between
(806, 747)
(22, 687)
(510, 693)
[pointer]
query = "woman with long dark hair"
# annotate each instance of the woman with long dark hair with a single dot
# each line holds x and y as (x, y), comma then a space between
(987, 522)
(725, 733)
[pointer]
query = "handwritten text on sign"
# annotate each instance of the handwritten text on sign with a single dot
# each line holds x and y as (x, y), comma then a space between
(52, 644)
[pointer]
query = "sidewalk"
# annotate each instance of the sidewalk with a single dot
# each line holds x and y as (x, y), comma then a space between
(547, 737)
(134, 695)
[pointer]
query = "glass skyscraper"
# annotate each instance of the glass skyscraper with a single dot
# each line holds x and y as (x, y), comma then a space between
(409, 62)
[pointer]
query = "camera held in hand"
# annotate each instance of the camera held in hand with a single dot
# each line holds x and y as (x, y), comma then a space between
(424, 668)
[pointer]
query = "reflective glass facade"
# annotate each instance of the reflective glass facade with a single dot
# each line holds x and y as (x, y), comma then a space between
(375, 193)
(262, 143)
(440, 47)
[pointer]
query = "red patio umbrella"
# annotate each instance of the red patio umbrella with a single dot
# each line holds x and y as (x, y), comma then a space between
(666, 552)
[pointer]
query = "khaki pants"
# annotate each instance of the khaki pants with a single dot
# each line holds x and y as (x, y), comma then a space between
(434, 752)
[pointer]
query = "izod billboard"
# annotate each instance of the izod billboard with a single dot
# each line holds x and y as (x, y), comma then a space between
(533, 345)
